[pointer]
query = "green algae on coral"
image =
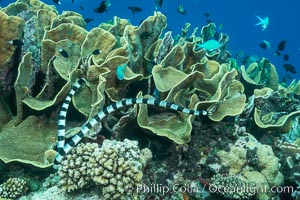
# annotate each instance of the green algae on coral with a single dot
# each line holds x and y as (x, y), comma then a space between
(260, 74)
(100, 39)
(68, 17)
(66, 31)
(5, 114)
(27, 142)
(63, 65)
(176, 127)
(136, 46)
(174, 58)
(220, 90)
(208, 31)
(44, 20)
(272, 124)
(37, 4)
(15, 8)
(197, 80)
(11, 28)
(90, 98)
(39, 102)
(166, 78)
(274, 117)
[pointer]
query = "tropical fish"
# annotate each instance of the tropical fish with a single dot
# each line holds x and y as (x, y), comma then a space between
(209, 45)
(265, 44)
(277, 53)
(220, 26)
(107, 3)
(57, 2)
(289, 68)
(96, 52)
(206, 14)
(120, 71)
(281, 45)
(135, 9)
(103, 7)
(158, 4)
(88, 20)
(16, 42)
(181, 9)
(63, 52)
(286, 57)
(263, 22)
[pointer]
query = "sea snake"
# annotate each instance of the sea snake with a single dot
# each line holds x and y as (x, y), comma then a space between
(64, 149)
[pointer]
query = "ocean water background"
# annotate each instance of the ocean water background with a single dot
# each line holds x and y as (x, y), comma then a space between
(233, 17)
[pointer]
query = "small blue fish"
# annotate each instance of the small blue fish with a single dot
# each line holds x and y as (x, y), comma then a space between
(57, 2)
(120, 71)
(209, 45)
(181, 9)
(263, 22)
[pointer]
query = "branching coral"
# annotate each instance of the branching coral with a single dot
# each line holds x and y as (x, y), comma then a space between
(74, 171)
(13, 188)
(232, 187)
(115, 166)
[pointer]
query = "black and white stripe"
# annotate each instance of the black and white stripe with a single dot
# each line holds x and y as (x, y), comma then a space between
(61, 128)
(62, 151)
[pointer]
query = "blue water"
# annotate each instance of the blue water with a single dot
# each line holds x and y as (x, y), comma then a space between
(235, 18)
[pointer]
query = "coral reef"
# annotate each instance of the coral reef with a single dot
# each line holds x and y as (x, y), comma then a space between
(255, 162)
(28, 142)
(13, 188)
(116, 167)
(260, 74)
(251, 136)
(11, 28)
(231, 187)
(74, 171)
(274, 110)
